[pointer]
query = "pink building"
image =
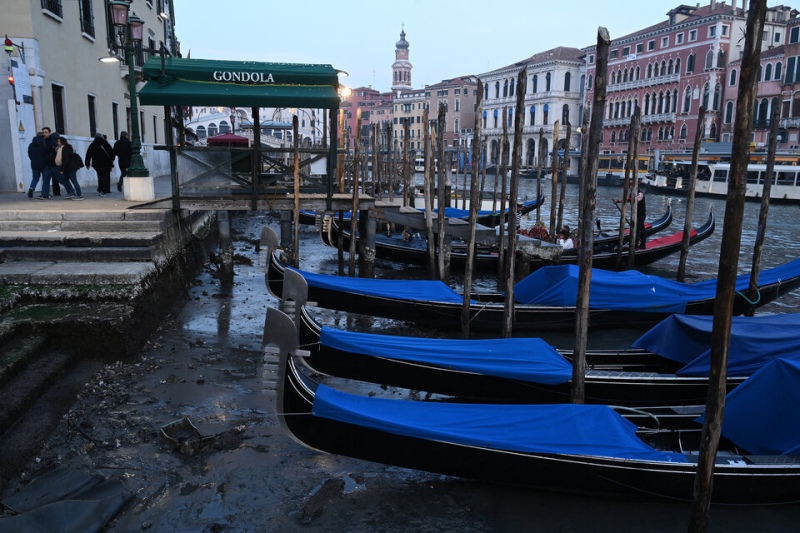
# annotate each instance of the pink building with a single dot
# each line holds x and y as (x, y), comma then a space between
(673, 68)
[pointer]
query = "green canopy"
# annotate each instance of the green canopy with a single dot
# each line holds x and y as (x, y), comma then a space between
(205, 82)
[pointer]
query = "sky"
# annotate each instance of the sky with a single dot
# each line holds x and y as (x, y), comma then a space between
(446, 39)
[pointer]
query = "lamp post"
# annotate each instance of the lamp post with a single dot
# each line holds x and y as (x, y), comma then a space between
(233, 122)
(130, 28)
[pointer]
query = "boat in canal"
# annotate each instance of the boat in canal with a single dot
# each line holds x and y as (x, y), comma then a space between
(712, 181)
(415, 251)
(544, 300)
(567, 447)
(529, 370)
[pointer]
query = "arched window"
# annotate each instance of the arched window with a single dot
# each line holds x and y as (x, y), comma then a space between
(565, 114)
(660, 103)
(722, 59)
(510, 116)
(670, 66)
(638, 73)
(712, 134)
(763, 112)
(710, 59)
(706, 94)
(495, 116)
(625, 75)
(732, 79)
(497, 89)
(684, 132)
(486, 89)
(201, 132)
(778, 70)
(690, 63)
(545, 113)
(613, 137)
(674, 101)
(484, 119)
(729, 113)
(567, 79)
(678, 66)
(647, 104)
(643, 137)
(768, 72)
(649, 71)
(663, 68)
(589, 83)
(535, 84)
(505, 88)
(533, 115)
(547, 82)
(616, 109)
(717, 96)
(511, 88)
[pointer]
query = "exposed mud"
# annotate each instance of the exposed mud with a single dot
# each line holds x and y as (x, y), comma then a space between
(234, 469)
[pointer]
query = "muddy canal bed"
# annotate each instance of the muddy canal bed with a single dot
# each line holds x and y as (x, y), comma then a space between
(203, 371)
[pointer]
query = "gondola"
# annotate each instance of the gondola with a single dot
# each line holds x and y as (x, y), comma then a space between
(513, 370)
(545, 299)
(395, 248)
(485, 217)
(567, 447)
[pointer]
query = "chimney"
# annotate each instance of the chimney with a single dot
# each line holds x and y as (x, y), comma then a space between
(713, 5)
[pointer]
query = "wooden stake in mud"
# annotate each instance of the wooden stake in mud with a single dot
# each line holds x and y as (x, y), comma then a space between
(626, 194)
(508, 308)
(728, 266)
(502, 165)
(354, 207)
(554, 186)
(431, 262)
(408, 195)
(586, 225)
(636, 128)
(296, 213)
(687, 222)
(758, 247)
(443, 241)
(563, 177)
(474, 201)
(541, 153)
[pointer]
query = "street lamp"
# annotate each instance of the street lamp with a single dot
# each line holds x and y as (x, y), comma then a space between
(233, 122)
(130, 29)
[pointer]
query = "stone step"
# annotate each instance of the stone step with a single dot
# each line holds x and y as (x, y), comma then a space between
(120, 226)
(51, 273)
(77, 254)
(16, 352)
(29, 382)
(80, 238)
(162, 215)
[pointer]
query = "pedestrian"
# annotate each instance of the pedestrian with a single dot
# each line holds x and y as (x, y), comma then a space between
(100, 156)
(641, 212)
(51, 171)
(36, 153)
(69, 163)
(123, 151)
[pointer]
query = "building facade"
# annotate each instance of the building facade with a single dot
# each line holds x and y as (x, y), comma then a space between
(554, 94)
(671, 69)
(60, 82)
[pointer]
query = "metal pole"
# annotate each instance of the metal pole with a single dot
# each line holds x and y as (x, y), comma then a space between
(137, 168)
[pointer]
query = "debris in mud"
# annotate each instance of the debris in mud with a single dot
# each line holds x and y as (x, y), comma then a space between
(187, 439)
(331, 489)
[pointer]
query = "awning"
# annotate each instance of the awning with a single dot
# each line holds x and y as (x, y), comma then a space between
(205, 82)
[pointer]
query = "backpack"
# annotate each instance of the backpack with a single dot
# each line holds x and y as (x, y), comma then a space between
(77, 162)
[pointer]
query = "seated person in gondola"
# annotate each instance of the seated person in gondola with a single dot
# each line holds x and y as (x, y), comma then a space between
(564, 239)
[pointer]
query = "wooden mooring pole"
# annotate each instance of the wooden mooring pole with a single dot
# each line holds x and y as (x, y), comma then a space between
(474, 201)
(728, 266)
(687, 222)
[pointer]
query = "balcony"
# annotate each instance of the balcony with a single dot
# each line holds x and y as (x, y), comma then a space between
(645, 82)
(790, 122)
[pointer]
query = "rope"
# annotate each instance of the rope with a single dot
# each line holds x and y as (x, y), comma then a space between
(748, 300)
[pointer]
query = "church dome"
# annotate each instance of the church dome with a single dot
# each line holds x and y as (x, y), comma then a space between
(402, 43)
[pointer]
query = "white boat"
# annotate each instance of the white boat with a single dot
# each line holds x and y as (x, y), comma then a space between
(712, 180)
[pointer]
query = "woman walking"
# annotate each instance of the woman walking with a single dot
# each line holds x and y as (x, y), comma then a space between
(68, 164)
(100, 155)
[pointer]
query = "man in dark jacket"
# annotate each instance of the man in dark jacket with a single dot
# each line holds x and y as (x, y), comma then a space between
(100, 155)
(36, 153)
(51, 170)
(123, 151)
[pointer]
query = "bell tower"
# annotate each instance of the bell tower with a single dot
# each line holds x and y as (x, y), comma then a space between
(401, 68)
